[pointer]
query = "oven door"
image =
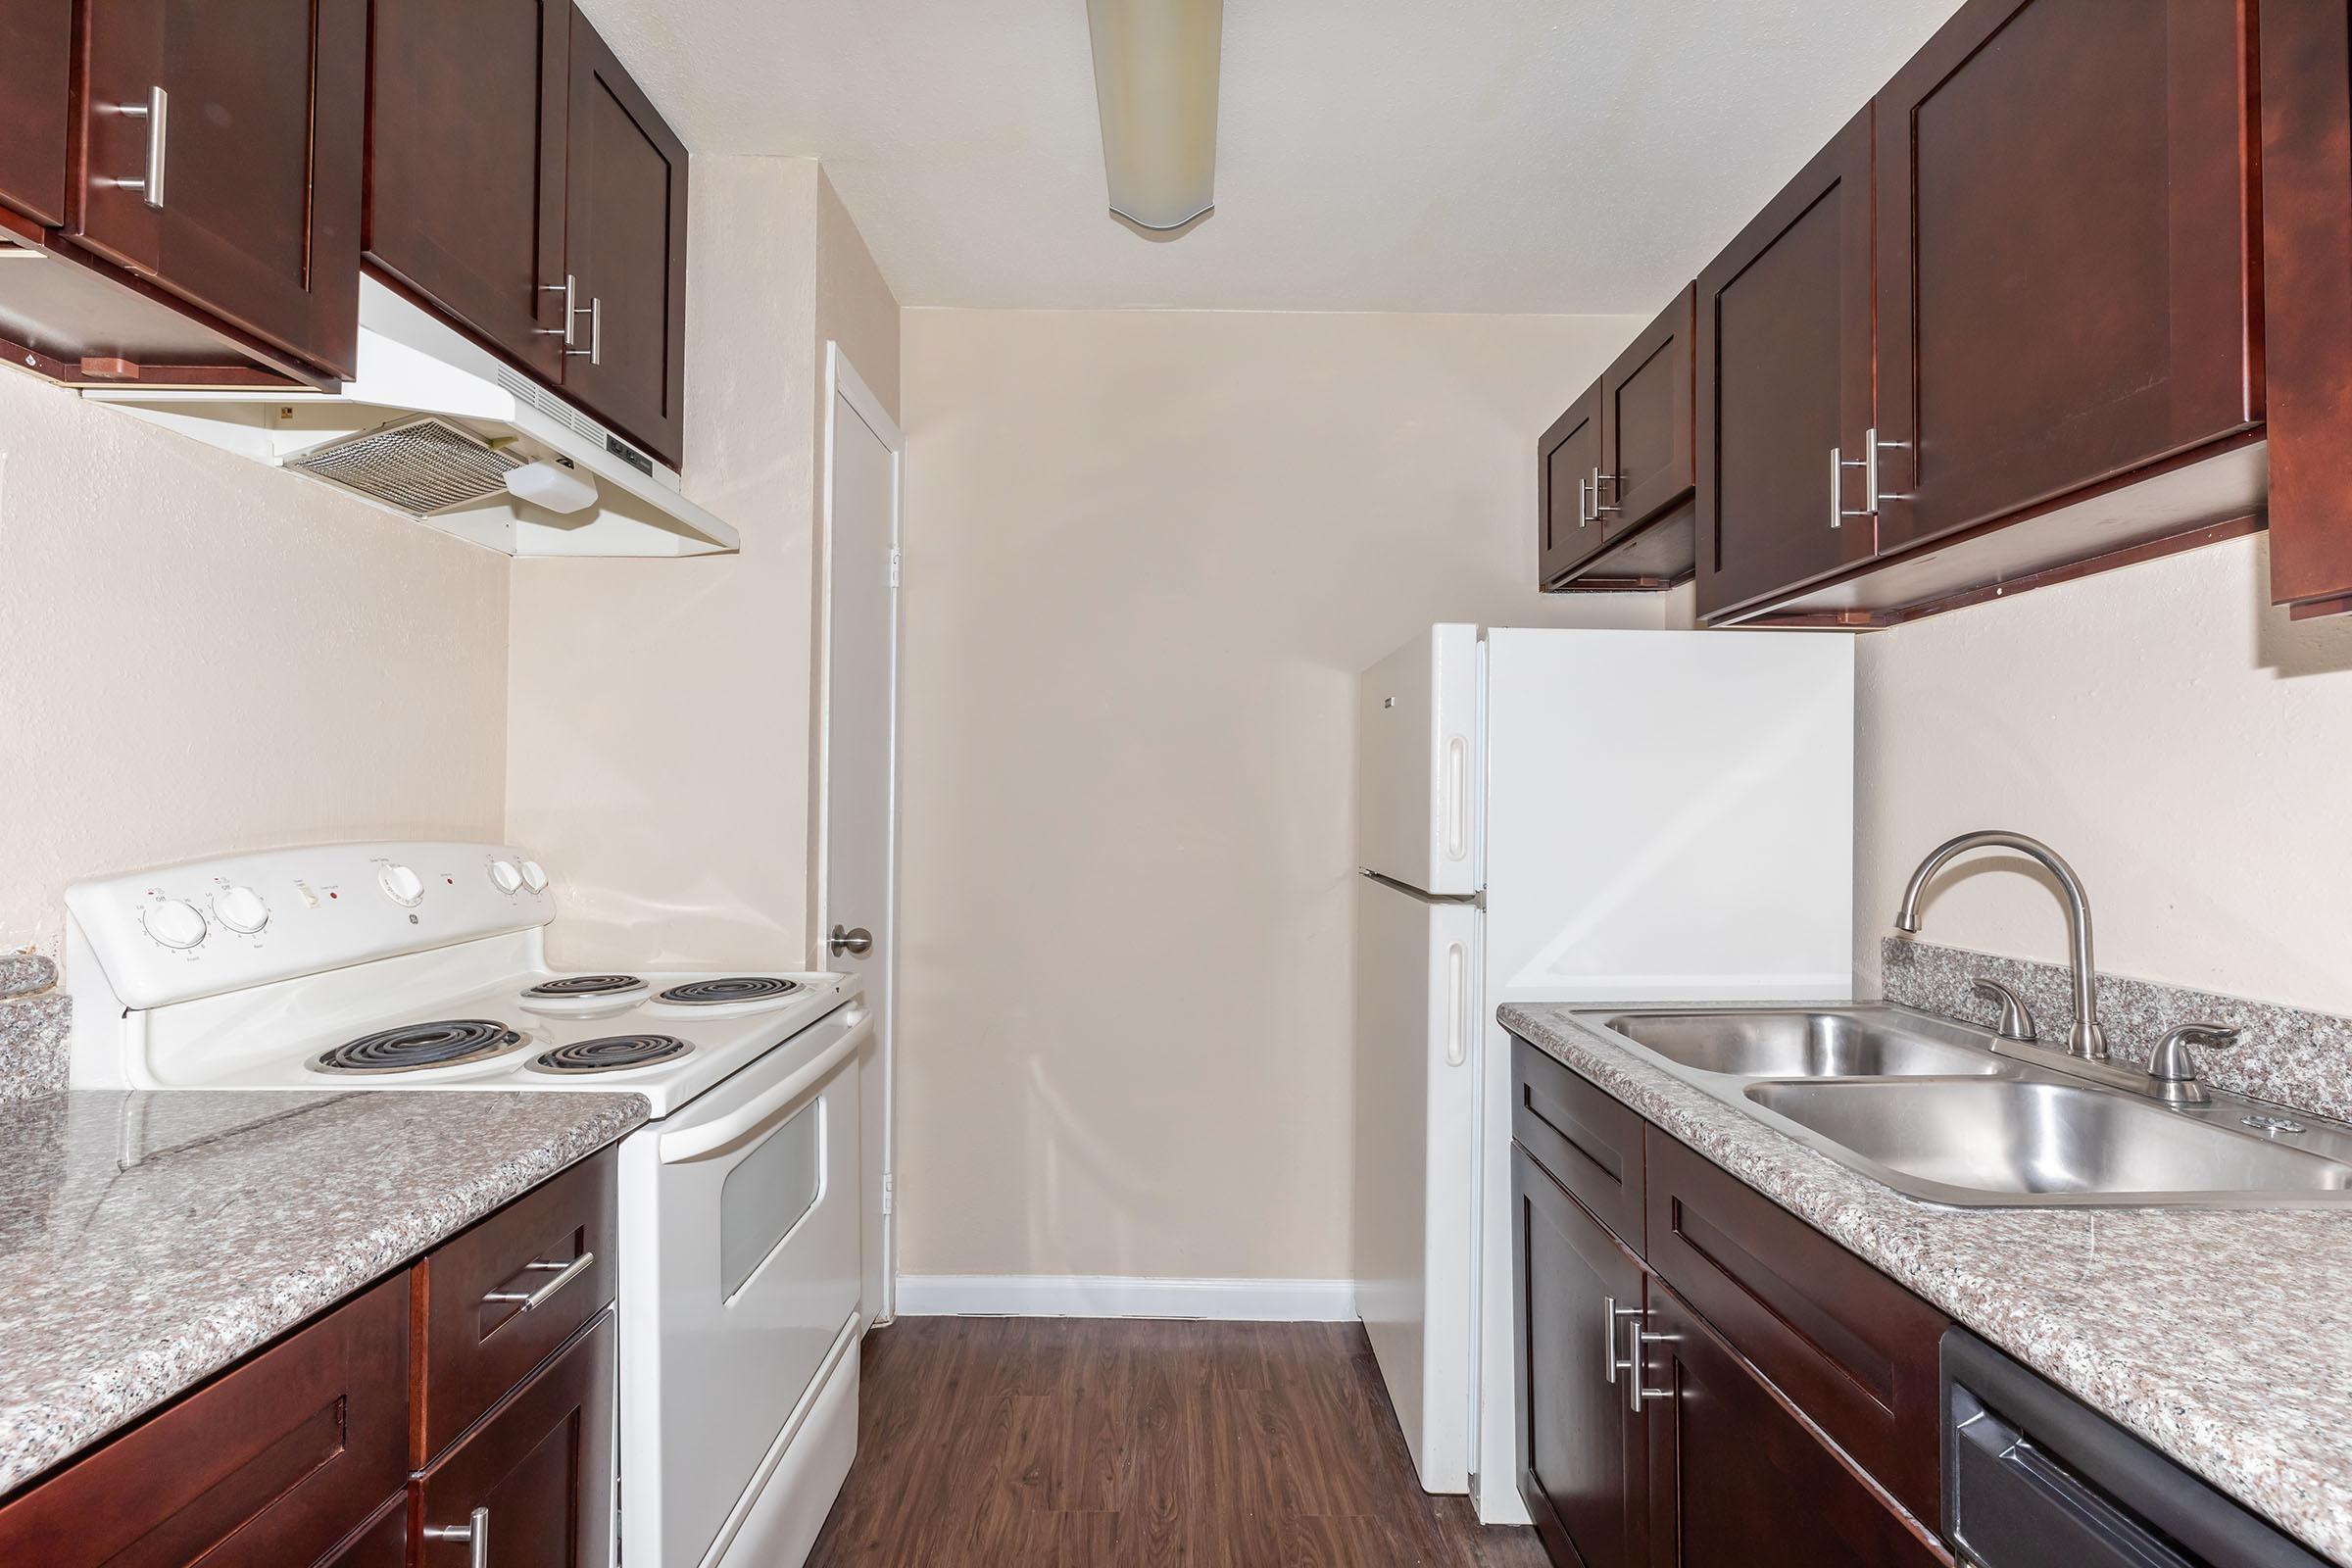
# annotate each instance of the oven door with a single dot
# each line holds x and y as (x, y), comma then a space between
(740, 1256)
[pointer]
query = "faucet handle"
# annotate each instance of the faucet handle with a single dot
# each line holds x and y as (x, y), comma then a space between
(2016, 1020)
(2173, 1070)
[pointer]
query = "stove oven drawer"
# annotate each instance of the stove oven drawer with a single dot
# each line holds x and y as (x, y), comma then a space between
(495, 1300)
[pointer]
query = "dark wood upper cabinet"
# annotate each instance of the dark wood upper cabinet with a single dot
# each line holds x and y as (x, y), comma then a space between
(1625, 452)
(1784, 388)
(36, 62)
(2068, 285)
(1752, 1481)
(625, 243)
(2307, 236)
(1646, 422)
(537, 1473)
(1583, 1454)
(1566, 461)
(466, 163)
(219, 155)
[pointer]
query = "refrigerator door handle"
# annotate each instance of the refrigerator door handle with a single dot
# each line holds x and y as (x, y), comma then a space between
(1457, 1033)
(1458, 797)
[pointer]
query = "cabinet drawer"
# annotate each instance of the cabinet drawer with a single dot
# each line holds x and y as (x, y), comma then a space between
(1853, 1349)
(284, 1454)
(493, 1302)
(1590, 1143)
(537, 1477)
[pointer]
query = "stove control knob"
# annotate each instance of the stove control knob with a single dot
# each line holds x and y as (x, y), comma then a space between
(503, 876)
(174, 923)
(241, 909)
(534, 876)
(401, 885)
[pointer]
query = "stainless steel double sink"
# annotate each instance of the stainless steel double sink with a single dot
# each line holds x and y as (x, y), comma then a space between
(1931, 1109)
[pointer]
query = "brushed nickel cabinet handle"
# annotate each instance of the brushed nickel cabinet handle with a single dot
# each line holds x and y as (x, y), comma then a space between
(157, 112)
(570, 288)
(474, 1531)
(1637, 1365)
(1610, 1363)
(594, 352)
(564, 1274)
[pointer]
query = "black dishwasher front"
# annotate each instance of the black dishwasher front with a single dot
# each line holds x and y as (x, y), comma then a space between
(2032, 1478)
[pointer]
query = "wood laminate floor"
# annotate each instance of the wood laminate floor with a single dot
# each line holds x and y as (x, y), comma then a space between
(1072, 1443)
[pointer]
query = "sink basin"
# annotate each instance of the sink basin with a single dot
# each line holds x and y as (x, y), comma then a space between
(1813, 1042)
(2025, 1143)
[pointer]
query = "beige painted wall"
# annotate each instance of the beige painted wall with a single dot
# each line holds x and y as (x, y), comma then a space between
(1147, 554)
(2183, 744)
(198, 656)
(660, 729)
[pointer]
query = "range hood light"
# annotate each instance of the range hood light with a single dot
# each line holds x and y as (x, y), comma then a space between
(556, 486)
(1155, 82)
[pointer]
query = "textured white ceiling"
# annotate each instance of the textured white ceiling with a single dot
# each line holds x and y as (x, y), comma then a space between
(1389, 155)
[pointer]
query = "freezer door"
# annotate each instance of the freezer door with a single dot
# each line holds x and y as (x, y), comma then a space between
(1417, 763)
(1669, 815)
(1417, 1072)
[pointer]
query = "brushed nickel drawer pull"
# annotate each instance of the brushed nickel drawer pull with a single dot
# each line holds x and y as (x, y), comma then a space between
(564, 1274)
(474, 1531)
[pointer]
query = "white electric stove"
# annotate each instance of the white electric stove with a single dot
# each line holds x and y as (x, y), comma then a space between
(423, 967)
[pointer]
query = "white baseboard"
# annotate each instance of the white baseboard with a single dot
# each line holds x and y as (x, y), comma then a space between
(1120, 1296)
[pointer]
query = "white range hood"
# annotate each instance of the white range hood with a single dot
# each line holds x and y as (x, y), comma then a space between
(431, 428)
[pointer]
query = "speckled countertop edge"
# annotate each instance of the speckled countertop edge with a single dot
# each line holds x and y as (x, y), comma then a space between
(126, 1281)
(2248, 1384)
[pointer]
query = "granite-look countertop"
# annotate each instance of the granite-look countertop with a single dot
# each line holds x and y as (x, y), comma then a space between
(148, 1239)
(2221, 1337)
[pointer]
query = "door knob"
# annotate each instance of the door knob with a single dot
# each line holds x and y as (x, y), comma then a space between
(845, 940)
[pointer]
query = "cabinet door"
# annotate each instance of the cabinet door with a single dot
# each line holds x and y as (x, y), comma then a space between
(1567, 461)
(1740, 1477)
(625, 239)
(242, 159)
(381, 1542)
(275, 1461)
(536, 1476)
(466, 163)
(2306, 293)
(1646, 421)
(1784, 384)
(1583, 1465)
(2067, 275)
(37, 44)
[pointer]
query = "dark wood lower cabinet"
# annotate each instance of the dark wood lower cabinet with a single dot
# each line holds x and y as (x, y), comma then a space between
(381, 1542)
(1740, 1477)
(300, 1456)
(536, 1476)
(1704, 1381)
(271, 1463)
(1585, 1461)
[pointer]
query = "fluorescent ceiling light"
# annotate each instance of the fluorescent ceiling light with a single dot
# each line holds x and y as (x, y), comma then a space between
(1156, 80)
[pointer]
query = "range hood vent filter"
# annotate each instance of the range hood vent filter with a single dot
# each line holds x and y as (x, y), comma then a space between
(421, 465)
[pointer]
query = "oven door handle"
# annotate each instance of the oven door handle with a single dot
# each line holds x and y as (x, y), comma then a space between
(737, 1125)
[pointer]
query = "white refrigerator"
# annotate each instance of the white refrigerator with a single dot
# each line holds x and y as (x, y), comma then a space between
(1559, 816)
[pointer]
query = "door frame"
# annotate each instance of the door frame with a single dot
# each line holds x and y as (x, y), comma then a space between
(843, 384)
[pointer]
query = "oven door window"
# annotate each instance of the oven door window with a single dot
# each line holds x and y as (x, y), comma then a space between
(767, 1194)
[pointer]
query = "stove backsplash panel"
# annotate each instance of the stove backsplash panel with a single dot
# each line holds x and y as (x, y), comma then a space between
(33, 1016)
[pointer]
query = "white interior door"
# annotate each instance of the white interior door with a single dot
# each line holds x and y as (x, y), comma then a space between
(857, 928)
